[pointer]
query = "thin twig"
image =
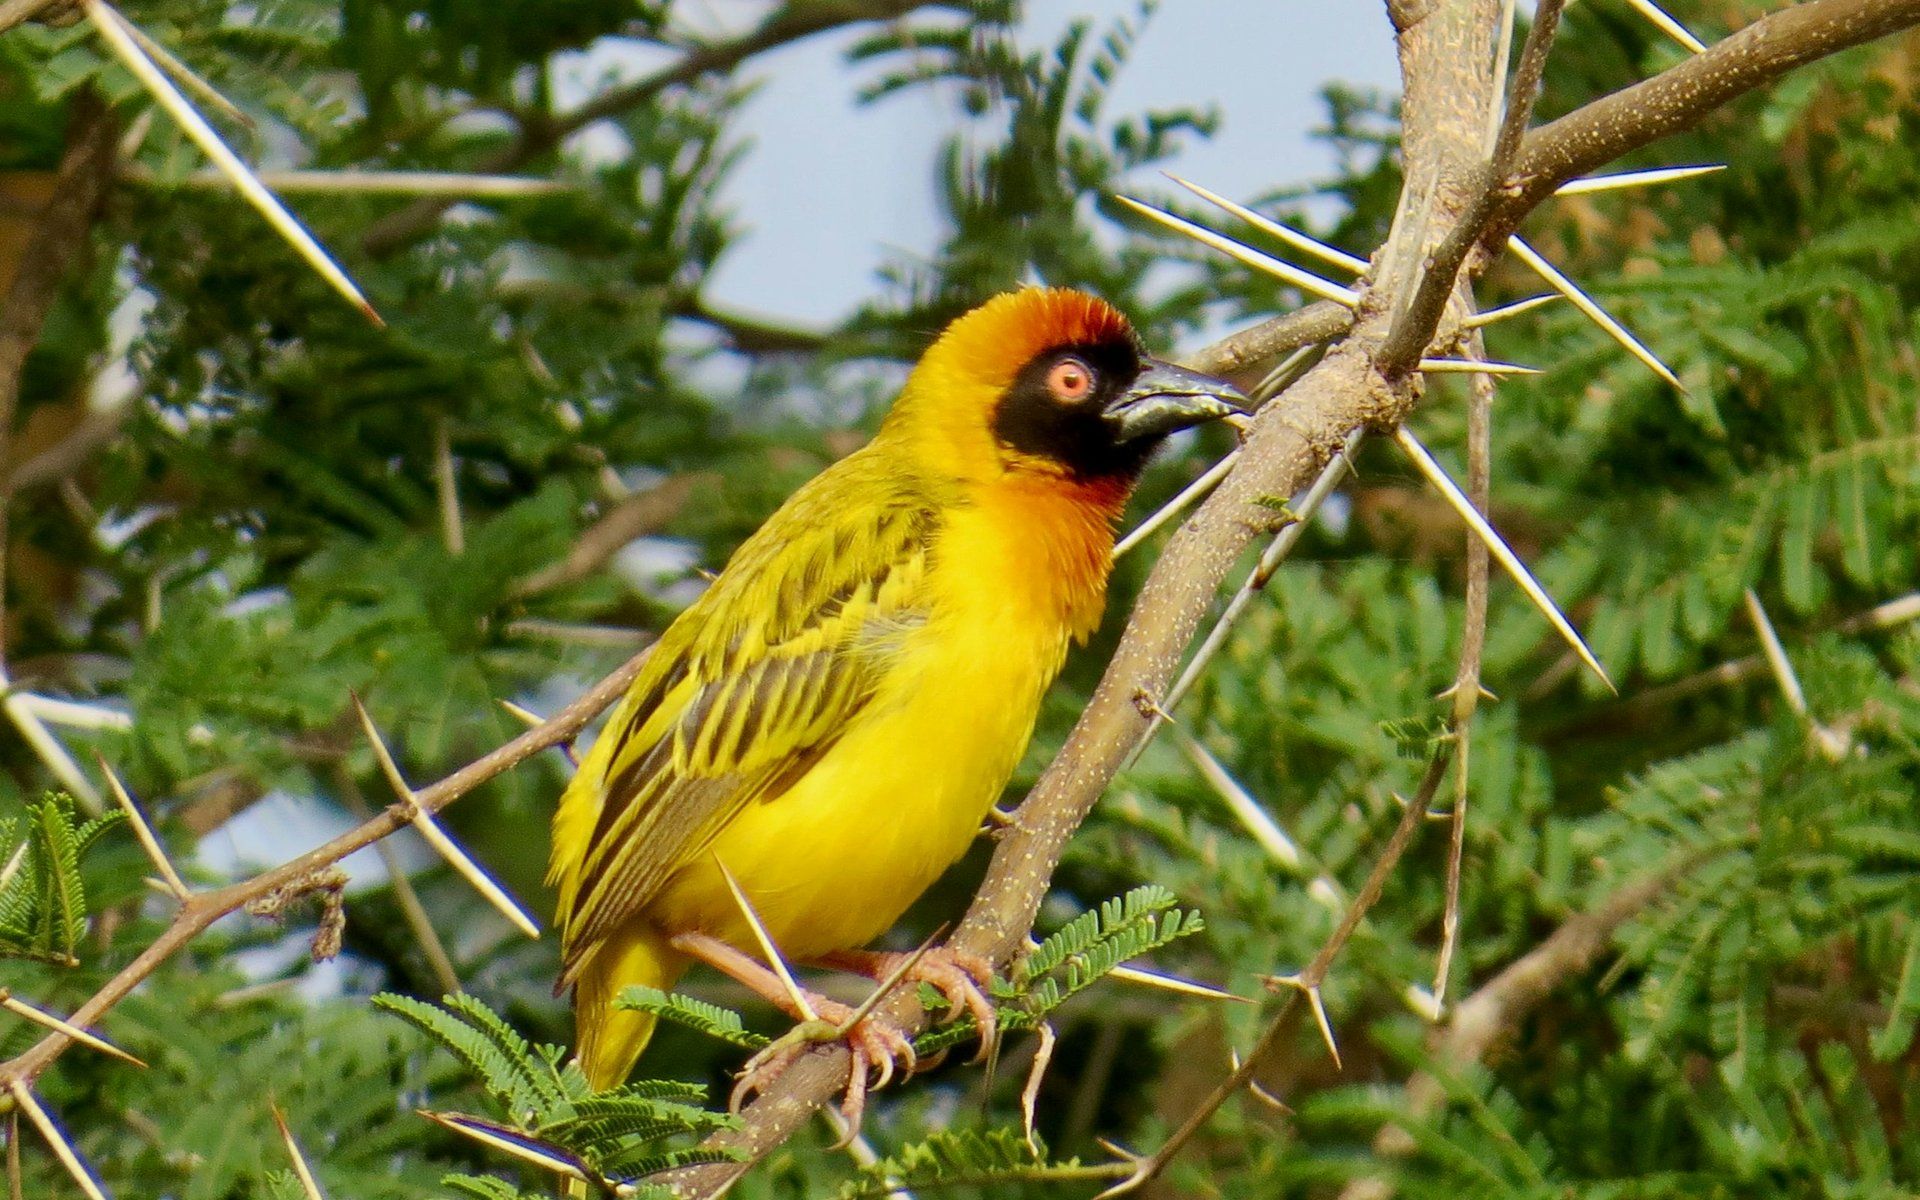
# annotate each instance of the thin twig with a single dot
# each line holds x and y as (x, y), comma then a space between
(1683, 95)
(1498, 1005)
(1305, 983)
(1466, 682)
(202, 909)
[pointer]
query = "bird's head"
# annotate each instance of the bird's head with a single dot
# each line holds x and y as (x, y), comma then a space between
(1049, 382)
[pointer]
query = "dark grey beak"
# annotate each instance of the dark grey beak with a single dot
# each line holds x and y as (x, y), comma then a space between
(1165, 398)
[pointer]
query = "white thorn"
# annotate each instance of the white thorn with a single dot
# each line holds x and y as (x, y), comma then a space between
(1633, 179)
(1473, 366)
(1292, 237)
(1497, 546)
(1667, 25)
(424, 824)
(113, 29)
(1174, 507)
(1494, 316)
(1306, 281)
(1580, 300)
(767, 946)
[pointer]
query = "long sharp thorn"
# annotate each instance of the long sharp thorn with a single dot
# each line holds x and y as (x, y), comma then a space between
(1497, 546)
(403, 183)
(1306, 281)
(1174, 984)
(114, 30)
(1667, 25)
(1777, 660)
(1473, 366)
(168, 61)
(1292, 237)
(20, 1008)
(504, 1140)
(301, 1171)
(144, 832)
(1633, 179)
(884, 987)
(1314, 1001)
(1319, 1007)
(767, 948)
(1030, 1092)
(1179, 504)
(522, 714)
(1585, 303)
(56, 1140)
(1494, 316)
(50, 749)
(424, 824)
(1251, 815)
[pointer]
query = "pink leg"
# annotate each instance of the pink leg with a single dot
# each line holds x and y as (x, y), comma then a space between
(874, 1044)
(961, 978)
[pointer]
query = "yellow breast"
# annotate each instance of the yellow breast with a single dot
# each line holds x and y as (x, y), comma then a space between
(833, 862)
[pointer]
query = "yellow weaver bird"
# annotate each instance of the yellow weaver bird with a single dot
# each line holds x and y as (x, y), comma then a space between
(828, 725)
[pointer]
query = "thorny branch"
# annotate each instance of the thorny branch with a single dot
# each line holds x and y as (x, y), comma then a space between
(1479, 1021)
(1445, 56)
(305, 873)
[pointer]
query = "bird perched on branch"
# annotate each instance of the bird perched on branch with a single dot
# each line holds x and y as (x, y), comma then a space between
(820, 735)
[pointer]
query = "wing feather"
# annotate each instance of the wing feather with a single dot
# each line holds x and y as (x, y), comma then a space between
(743, 693)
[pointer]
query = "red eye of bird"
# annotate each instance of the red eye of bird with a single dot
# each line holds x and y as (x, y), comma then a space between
(1070, 380)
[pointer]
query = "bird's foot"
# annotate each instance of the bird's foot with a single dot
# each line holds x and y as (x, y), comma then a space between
(962, 978)
(879, 1049)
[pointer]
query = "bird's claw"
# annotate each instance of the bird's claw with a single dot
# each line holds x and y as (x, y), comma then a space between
(963, 979)
(877, 1048)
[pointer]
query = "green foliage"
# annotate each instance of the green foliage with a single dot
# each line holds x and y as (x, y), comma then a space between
(43, 903)
(264, 535)
(1075, 957)
(722, 1024)
(551, 1115)
(994, 1159)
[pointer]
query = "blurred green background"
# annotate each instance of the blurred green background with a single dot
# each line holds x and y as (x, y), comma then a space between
(234, 505)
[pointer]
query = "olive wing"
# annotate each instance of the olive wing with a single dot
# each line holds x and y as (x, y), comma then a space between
(744, 693)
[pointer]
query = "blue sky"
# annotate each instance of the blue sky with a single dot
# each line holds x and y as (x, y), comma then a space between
(823, 212)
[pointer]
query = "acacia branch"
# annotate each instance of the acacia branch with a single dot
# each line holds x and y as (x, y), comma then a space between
(202, 909)
(1683, 95)
(1493, 1011)
(1443, 43)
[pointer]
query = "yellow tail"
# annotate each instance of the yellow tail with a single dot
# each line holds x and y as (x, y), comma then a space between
(609, 1040)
